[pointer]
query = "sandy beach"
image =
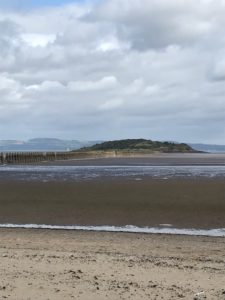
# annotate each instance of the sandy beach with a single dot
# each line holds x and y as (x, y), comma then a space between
(91, 266)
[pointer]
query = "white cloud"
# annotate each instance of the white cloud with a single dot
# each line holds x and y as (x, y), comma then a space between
(111, 104)
(112, 43)
(151, 90)
(86, 86)
(37, 39)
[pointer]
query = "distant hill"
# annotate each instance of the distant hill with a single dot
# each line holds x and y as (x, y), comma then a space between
(43, 144)
(209, 148)
(141, 145)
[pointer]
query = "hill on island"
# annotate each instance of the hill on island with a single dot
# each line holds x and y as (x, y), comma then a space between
(141, 145)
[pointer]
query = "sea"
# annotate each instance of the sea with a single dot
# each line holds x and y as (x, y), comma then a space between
(87, 173)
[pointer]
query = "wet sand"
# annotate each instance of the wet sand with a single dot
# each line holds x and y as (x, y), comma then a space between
(161, 159)
(184, 203)
(59, 265)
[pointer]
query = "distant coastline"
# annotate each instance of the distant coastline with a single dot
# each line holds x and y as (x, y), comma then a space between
(118, 148)
(61, 145)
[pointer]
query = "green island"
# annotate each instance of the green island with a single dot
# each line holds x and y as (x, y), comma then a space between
(141, 146)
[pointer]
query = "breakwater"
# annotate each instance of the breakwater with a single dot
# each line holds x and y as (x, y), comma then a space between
(37, 157)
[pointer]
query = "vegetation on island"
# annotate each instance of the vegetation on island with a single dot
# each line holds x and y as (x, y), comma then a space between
(141, 145)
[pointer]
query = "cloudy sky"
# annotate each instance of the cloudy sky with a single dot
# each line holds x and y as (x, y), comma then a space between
(110, 69)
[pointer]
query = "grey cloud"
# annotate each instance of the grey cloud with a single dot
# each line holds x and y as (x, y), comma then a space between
(218, 69)
(8, 29)
(9, 42)
(157, 24)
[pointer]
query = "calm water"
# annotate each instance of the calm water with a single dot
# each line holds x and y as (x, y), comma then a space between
(86, 173)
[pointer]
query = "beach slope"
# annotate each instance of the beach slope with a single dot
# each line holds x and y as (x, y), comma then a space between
(59, 265)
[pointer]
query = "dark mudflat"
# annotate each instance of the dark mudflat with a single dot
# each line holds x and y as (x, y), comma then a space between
(186, 203)
(163, 159)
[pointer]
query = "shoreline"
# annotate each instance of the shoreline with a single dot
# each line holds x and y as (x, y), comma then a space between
(162, 229)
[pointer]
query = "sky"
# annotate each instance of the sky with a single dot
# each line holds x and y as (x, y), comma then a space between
(113, 69)
(30, 4)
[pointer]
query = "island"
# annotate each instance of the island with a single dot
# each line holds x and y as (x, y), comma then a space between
(139, 146)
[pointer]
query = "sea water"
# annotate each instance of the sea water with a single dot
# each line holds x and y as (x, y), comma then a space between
(83, 173)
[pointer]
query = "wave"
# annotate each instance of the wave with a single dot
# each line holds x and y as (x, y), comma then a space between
(218, 232)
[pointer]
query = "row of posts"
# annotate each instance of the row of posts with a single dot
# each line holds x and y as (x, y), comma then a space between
(33, 157)
(36, 157)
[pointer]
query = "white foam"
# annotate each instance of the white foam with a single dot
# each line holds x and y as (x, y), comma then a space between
(219, 232)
